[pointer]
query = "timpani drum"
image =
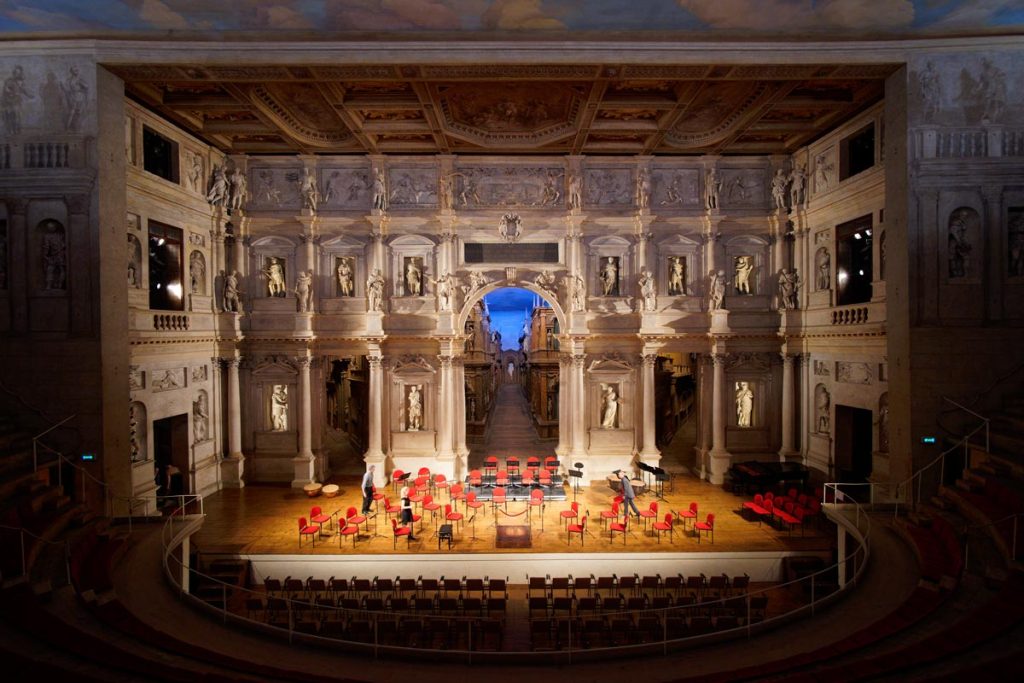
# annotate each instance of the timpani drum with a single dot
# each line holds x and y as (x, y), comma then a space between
(330, 491)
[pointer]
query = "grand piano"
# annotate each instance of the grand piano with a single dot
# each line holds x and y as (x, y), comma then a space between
(760, 476)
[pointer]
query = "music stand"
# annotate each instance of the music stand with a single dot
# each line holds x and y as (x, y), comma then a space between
(401, 480)
(374, 518)
(576, 475)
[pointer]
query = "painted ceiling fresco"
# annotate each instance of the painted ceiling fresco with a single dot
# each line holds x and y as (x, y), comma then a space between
(713, 18)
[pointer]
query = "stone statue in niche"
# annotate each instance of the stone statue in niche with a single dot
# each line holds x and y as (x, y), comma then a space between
(545, 280)
(279, 408)
(648, 290)
(577, 291)
(218, 194)
(134, 262)
(238, 189)
(10, 100)
(959, 246)
(469, 330)
(676, 275)
(930, 85)
(413, 275)
(470, 407)
(380, 192)
(610, 276)
(712, 188)
(344, 275)
(779, 182)
(575, 191)
(609, 406)
(375, 291)
(716, 291)
(823, 169)
(797, 181)
(54, 252)
(744, 405)
(822, 403)
(200, 418)
(823, 264)
(195, 171)
(789, 289)
(883, 423)
(643, 188)
(308, 190)
(274, 272)
(76, 96)
(414, 409)
(197, 272)
(1015, 267)
(304, 291)
(231, 303)
(744, 266)
(445, 291)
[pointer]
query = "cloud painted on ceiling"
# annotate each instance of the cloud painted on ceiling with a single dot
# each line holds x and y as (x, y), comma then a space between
(712, 17)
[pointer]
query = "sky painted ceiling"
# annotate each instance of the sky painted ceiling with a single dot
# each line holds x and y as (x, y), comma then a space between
(627, 18)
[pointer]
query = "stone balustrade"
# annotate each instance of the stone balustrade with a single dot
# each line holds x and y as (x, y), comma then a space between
(852, 315)
(166, 321)
(968, 142)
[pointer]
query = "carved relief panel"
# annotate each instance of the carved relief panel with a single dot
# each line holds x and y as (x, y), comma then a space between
(411, 187)
(743, 187)
(607, 187)
(675, 188)
(510, 186)
(346, 188)
(274, 188)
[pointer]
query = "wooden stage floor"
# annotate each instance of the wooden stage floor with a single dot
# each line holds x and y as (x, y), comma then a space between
(263, 519)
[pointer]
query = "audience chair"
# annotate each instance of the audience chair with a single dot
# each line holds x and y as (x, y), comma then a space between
(708, 526)
(399, 531)
(390, 509)
(491, 463)
(659, 527)
(316, 516)
(430, 506)
(572, 513)
(306, 529)
(441, 484)
(580, 529)
(475, 479)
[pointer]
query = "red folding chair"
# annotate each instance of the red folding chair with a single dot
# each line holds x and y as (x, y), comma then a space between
(708, 526)
(572, 513)
(306, 529)
(580, 529)
(396, 532)
(689, 515)
(664, 526)
(618, 527)
(316, 516)
(452, 516)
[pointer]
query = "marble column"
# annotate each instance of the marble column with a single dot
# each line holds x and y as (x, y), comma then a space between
(374, 454)
(304, 462)
(233, 467)
(461, 450)
(18, 284)
(787, 408)
(78, 255)
(707, 391)
(578, 406)
(719, 455)
(238, 251)
(565, 392)
(445, 414)
(220, 264)
(806, 402)
(800, 236)
(649, 453)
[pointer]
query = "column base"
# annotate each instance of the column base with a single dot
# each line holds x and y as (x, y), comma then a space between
(232, 471)
(650, 457)
(719, 464)
(305, 470)
(376, 458)
(788, 454)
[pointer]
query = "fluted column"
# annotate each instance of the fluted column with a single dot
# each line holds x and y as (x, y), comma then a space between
(787, 407)
(233, 466)
(650, 453)
(461, 450)
(565, 393)
(374, 454)
(805, 404)
(445, 414)
(719, 455)
(707, 391)
(578, 406)
(304, 462)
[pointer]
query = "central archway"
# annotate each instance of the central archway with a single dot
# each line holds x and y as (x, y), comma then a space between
(511, 382)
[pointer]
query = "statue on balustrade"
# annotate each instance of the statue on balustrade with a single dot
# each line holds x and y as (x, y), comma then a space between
(648, 290)
(380, 193)
(575, 191)
(375, 291)
(643, 188)
(231, 294)
(238, 190)
(218, 193)
(779, 182)
(445, 291)
(308, 190)
(712, 188)
(789, 288)
(797, 181)
(304, 291)
(716, 291)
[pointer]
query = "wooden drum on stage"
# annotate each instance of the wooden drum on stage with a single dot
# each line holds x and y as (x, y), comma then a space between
(312, 489)
(638, 486)
(330, 491)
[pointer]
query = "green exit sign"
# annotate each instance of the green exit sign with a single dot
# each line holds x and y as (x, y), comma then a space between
(929, 439)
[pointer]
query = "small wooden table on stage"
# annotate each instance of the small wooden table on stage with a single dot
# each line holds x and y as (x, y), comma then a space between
(444, 533)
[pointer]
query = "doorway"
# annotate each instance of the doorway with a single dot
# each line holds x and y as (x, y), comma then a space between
(171, 455)
(853, 444)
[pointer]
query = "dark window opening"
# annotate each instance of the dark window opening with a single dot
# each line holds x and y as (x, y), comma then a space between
(857, 152)
(165, 268)
(159, 155)
(854, 261)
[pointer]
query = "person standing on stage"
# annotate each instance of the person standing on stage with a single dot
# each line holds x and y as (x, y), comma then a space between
(367, 487)
(628, 495)
(407, 511)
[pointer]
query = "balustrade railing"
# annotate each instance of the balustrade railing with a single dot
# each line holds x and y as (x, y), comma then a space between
(850, 316)
(166, 321)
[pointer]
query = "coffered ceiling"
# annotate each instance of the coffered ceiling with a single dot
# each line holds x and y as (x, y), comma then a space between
(503, 109)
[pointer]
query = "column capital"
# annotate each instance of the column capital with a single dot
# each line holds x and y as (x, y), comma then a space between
(579, 359)
(375, 360)
(719, 359)
(228, 363)
(648, 359)
(787, 358)
(304, 362)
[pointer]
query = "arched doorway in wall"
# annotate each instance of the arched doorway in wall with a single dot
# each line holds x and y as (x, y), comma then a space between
(512, 376)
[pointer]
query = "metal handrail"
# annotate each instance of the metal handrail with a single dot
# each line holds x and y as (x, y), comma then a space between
(174, 568)
(985, 420)
(22, 531)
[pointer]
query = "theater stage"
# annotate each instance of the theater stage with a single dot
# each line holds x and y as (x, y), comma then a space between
(260, 523)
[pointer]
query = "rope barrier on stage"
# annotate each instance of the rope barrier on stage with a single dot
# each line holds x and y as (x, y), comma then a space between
(513, 514)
